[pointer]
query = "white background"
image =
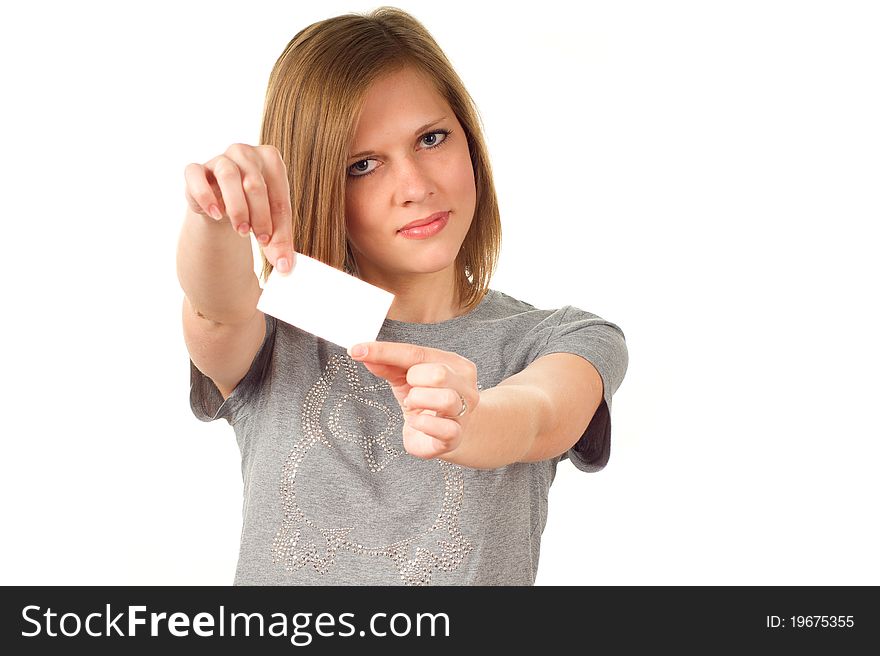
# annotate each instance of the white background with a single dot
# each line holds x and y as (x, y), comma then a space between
(704, 174)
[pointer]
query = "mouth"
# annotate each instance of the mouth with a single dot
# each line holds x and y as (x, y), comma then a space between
(425, 221)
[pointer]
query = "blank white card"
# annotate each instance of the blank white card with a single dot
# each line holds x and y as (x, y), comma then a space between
(326, 302)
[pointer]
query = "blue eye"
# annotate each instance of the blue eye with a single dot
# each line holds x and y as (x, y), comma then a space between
(356, 171)
(356, 167)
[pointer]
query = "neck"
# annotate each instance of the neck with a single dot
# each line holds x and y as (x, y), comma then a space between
(420, 298)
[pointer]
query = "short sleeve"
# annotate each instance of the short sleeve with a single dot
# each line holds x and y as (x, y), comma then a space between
(207, 403)
(603, 344)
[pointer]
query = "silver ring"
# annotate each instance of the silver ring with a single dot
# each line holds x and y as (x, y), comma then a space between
(463, 407)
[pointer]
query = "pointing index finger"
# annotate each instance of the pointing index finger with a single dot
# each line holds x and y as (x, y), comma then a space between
(394, 353)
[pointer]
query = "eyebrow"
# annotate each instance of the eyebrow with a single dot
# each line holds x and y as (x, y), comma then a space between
(419, 130)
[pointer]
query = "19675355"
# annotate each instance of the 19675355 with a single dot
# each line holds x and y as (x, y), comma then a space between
(810, 621)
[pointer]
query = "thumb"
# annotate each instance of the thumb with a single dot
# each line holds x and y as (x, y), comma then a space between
(279, 251)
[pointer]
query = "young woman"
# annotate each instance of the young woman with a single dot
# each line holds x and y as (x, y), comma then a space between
(428, 459)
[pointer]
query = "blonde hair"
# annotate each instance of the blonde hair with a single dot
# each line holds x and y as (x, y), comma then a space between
(315, 93)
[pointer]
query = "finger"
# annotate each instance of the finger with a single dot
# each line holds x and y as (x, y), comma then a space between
(252, 185)
(228, 176)
(278, 242)
(425, 448)
(423, 445)
(433, 374)
(256, 193)
(445, 402)
(199, 194)
(405, 355)
(394, 375)
(442, 429)
(396, 354)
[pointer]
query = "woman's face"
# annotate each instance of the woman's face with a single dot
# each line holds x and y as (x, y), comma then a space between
(408, 173)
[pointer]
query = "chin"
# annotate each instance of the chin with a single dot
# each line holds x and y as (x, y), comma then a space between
(422, 267)
(433, 264)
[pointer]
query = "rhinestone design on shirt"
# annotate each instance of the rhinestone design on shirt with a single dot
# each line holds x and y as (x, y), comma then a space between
(328, 403)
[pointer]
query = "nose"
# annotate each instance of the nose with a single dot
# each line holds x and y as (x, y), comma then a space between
(413, 181)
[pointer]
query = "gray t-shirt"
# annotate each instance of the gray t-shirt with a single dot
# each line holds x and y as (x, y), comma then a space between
(332, 498)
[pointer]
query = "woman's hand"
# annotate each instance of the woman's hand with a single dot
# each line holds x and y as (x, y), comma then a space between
(431, 387)
(248, 186)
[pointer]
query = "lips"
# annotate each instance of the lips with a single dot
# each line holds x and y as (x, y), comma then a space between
(425, 221)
